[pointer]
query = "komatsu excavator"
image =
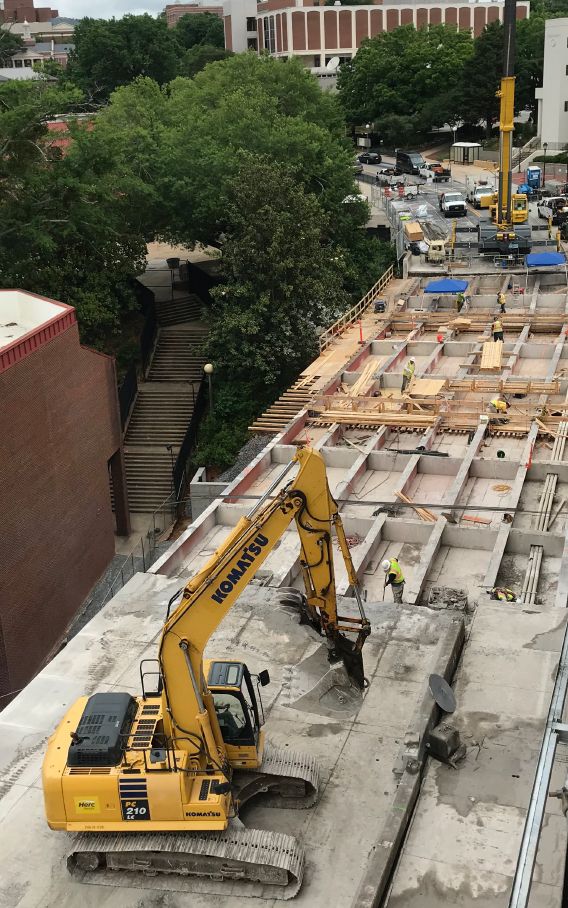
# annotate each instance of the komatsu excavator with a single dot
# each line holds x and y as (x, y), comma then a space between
(154, 783)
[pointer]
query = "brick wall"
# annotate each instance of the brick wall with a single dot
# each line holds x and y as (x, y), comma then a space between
(59, 425)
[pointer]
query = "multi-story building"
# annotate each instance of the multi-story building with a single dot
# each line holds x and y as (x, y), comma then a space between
(60, 436)
(174, 11)
(318, 34)
(24, 11)
(553, 96)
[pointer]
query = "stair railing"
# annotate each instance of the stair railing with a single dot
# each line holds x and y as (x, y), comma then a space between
(179, 472)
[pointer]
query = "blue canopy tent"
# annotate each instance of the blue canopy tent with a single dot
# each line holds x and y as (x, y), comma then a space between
(548, 260)
(445, 285)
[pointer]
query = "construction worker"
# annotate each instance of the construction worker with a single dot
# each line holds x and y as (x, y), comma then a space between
(497, 330)
(500, 405)
(394, 577)
(502, 594)
(501, 302)
(460, 300)
(407, 374)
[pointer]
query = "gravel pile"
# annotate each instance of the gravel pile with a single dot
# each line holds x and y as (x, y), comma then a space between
(247, 453)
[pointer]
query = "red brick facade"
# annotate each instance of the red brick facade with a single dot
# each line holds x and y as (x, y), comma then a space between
(345, 27)
(23, 11)
(59, 425)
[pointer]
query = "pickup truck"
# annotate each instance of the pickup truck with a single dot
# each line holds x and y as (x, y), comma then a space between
(435, 172)
(452, 204)
(555, 208)
(480, 196)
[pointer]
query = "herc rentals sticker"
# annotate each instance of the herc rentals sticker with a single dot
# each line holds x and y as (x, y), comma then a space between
(87, 805)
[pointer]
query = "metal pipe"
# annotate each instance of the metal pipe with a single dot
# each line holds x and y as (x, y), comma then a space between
(185, 649)
(271, 488)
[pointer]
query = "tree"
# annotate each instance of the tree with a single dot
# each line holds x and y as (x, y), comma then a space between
(110, 53)
(10, 44)
(402, 74)
(200, 28)
(283, 280)
(197, 58)
(64, 233)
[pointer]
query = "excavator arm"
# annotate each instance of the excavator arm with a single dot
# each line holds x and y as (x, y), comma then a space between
(187, 706)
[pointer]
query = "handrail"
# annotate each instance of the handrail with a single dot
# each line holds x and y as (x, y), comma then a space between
(188, 443)
(352, 315)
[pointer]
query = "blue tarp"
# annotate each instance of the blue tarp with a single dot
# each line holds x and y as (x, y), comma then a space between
(446, 286)
(544, 259)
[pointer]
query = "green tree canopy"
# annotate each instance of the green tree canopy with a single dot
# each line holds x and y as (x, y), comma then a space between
(402, 73)
(200, 28)
(113, 52)
(64, 231)
(197, 58)
(10, 44)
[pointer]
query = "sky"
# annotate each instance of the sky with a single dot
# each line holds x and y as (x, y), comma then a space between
(105, 9)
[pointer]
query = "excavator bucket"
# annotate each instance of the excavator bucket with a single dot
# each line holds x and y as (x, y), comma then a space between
(342, 648)
(352, 659)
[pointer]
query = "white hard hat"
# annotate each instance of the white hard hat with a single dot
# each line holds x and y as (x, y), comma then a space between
(386, 565)
(411, 360)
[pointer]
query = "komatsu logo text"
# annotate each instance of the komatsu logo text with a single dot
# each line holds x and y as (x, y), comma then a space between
(248, 556)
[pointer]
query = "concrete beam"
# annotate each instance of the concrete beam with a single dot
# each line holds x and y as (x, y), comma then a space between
(534, 297)
(453, 493)
(427, 556)
(561, 600)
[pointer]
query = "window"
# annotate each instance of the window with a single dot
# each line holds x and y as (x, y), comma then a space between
(565, 106)
(567, 70)
(27, 63)
(251, 24)
(251, 44)
(18, 64)
(230, 713)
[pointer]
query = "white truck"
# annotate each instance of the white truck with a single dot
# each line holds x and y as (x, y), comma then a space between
(452, 204)
(479, 192)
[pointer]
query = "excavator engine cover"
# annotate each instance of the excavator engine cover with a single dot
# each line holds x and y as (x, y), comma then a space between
(103, 728)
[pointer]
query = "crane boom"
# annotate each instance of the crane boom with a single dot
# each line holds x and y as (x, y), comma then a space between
(507, 115)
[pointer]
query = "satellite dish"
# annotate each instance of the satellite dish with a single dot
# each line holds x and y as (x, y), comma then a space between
(442, 693)
(333, 64)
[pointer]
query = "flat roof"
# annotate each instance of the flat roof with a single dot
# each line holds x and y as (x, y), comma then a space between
(22, 313)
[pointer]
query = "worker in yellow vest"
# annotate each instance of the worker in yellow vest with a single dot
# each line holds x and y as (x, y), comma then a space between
(500, 405)
(407, 374)
(503, 594)
(501, 302)
(497, 330)
(394, 578)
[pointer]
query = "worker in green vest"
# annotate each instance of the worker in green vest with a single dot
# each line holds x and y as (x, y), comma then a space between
(407, 374)
(460, 300)
(394, 578)
(502, 594)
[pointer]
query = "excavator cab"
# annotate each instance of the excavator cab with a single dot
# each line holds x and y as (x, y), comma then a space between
(238, 706)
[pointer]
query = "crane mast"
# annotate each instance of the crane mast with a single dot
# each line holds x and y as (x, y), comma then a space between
(506, 117)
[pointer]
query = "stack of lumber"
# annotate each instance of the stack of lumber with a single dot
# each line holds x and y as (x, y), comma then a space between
(490, 384)
(363, 383)
(423, 513)
(491, 355)
(285, 408)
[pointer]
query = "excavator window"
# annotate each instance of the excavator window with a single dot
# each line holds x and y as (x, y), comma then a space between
(234, 719)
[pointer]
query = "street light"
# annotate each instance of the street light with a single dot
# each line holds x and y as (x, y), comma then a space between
(208, 369)
(545, 148)
(170, 448)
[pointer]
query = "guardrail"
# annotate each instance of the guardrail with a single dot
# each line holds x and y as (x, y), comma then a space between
(190, 438)
(353, 314)
(127, 394)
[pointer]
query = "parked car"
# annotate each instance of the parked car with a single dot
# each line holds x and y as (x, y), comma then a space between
(369, 157)
(435, 171)
(452, 204)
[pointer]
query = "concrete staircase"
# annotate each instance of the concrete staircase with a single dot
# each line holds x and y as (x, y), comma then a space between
(161, 414)
(178, 356)
(184, 307)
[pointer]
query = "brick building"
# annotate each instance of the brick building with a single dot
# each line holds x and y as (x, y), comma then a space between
(174, 11)
(317, 33)
(24, 11)
(60, 435)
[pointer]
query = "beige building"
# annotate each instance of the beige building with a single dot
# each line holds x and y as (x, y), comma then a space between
(553, 96)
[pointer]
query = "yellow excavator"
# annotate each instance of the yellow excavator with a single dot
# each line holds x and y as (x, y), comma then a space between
(154, 783)
(509, 232)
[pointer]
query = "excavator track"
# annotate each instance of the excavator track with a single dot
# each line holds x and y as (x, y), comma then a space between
(254, 862)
